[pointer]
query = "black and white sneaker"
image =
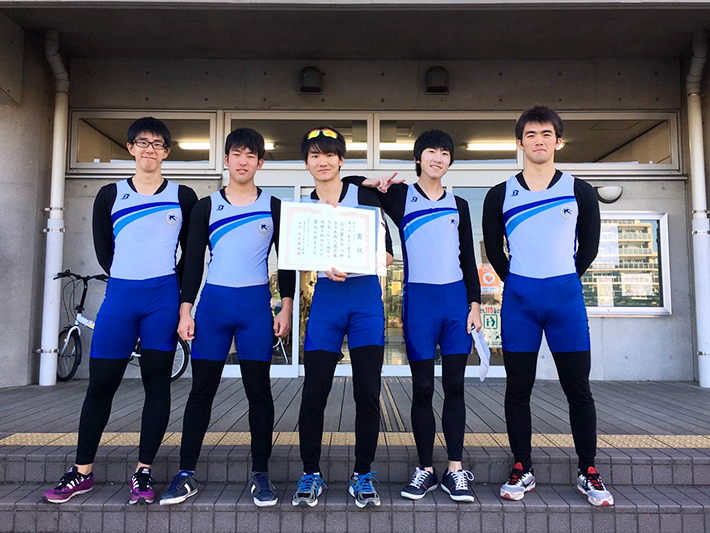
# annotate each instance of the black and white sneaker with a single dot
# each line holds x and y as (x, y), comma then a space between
(456, 485)
(592, 486)
(518, 483)
(422, 482)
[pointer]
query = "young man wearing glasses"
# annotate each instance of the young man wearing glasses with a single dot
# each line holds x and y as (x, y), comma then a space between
(550, 221)
(239, 224)
(342, 305)
(138, 224)
(441, 305)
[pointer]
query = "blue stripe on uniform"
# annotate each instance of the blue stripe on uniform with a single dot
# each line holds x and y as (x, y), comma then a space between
(118, 214)
(145, 212)
(515, 210)
(424, 218)
(241, 220)
(228, 220)
(532, 212)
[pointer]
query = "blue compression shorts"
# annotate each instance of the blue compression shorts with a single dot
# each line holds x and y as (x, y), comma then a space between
(435, 314)
(137, 308)
(352, 307)
(553, 305)
(242, 314)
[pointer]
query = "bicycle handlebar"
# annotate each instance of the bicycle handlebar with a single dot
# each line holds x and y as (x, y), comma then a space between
(69, 274)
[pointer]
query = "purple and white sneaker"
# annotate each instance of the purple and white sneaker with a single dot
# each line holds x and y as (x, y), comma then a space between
(142, 487)
(71, 484)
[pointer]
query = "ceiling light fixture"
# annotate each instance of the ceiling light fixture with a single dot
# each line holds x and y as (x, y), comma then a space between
(491, 147)
(194, 145)
(356, 146)
(269, 146)
(396, 147)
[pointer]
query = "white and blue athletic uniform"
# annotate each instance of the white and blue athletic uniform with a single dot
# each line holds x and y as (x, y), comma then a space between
(542, 287)
(353, 307)
(235, 301)
(441, 278)
(136, 238)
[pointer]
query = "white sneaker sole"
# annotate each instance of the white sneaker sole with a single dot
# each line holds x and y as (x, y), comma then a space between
(301, 503)
(466, 499)
(608, 502)
(70, 496)
(271, 503)
(516, 496)
(418, 497)
(179, 499)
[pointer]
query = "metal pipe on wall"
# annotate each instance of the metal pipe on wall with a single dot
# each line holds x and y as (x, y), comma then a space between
(701, 223)
(55, 224)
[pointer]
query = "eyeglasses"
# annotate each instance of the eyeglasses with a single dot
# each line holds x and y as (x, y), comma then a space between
(157, 145)
(326, 132)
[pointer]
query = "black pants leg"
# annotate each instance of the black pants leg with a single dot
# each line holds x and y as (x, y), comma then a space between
(520, 368)
(206, 376)
(367, 381)
(453, 417)
(319, 368)
(105, 376)
(156, 368)
(257, 385)
(423, 423)
(573, 369)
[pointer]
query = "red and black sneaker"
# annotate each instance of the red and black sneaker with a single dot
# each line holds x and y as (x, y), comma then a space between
(518, 483)
(590, 484)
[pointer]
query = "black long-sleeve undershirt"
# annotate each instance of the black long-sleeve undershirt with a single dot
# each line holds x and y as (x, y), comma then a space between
(102, 225)
(198, 241)
(394, 202)
(588, 224)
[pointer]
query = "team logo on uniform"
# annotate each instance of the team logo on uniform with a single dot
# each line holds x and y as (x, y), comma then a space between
(414, 198)
(515, 192)
(566, 211)
(453, 222)
(264, 227)
(125, 196)
(220, 207)
(172, 218)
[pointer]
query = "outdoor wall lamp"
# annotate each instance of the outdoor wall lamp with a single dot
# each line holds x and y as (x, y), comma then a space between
(310, 81)
(436, 80)
(609, 193)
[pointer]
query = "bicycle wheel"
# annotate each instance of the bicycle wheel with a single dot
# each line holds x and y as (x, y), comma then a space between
(182, 358)
(69, 354)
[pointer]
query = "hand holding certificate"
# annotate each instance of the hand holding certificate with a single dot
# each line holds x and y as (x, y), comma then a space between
(318, 236)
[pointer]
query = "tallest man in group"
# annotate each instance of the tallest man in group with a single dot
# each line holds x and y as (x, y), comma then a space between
(551, 223)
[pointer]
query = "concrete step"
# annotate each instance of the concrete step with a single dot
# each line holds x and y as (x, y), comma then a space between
(232, 464)
(228, 507)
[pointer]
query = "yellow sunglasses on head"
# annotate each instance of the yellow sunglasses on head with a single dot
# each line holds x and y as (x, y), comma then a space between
(326, 132)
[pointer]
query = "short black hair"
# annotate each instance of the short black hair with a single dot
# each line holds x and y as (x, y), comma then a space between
(149, 125)
(432, 139)
(322, 144)
(245, 138)
(539, 115)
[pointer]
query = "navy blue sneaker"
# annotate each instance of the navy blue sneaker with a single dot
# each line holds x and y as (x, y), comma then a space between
(181, 488)
(363, 491)
(455, 484)
(262, 490)
(422, 482)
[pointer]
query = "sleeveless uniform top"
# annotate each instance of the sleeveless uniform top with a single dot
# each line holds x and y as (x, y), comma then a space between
(145, 230)
(541, 228)
(240, 239)
(430, 239)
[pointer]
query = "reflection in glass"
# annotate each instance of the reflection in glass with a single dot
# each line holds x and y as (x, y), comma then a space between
(283, 137)
(103, 140)
(646, 142)
(480, 141)
(626, 272)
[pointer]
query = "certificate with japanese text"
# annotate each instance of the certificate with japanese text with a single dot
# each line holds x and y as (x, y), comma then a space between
(318, 236)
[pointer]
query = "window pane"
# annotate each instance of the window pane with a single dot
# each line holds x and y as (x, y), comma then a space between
(103, 140)
(283, 137)
(645, 142)
(491, 285)
(480, 141)
(627, 271)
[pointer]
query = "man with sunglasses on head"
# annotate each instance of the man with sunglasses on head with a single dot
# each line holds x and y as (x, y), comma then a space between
(441, 305)
(138, 224)
(550, 222)
(239, 224)
(342, 305)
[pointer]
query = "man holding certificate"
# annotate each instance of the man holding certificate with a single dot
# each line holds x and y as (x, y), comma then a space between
(342, 305)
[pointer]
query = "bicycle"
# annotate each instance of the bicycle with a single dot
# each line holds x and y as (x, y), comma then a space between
(70, 348)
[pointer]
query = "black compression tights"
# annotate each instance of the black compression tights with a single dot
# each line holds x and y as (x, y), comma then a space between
(319, 369)
(206, 376)
(573, 370)
(453, 419)
(105, 376)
